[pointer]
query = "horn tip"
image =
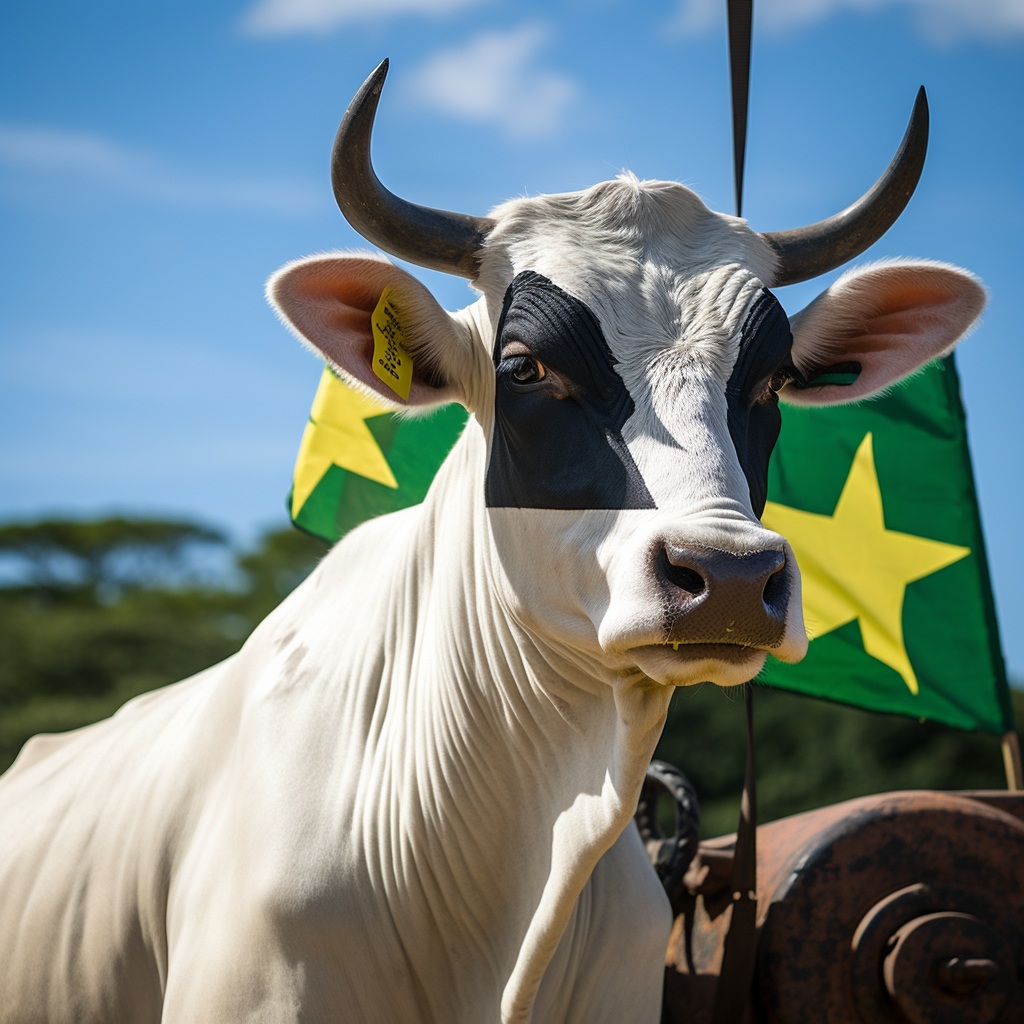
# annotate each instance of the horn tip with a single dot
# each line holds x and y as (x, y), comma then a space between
(378, 74)
(921, 104)
(918, 127)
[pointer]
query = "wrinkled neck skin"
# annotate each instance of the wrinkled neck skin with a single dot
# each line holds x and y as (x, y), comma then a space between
(524, 755)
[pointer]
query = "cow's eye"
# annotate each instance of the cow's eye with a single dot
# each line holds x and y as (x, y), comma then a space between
(526, 369)
(779, 379)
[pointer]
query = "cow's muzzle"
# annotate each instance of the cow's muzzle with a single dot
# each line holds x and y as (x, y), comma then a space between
(720, 597)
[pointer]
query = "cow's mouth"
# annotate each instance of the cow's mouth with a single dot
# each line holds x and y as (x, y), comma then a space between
(732, 653)
(686, 664)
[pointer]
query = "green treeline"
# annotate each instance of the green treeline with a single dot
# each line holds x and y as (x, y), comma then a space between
(93, 613)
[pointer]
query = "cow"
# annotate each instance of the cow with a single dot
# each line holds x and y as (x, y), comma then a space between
(409, 796)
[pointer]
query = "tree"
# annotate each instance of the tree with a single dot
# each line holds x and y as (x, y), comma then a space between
(96, 559)
(97, 612)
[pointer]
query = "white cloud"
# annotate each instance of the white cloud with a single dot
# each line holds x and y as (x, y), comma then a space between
(285, 17)
(493, 78)
(143, 173)
(940, 21)
(695, 17)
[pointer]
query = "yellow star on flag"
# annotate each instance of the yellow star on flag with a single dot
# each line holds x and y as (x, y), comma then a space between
(852, 567)
(337, 435)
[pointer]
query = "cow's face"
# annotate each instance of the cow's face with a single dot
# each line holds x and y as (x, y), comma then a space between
(639, 359)
(634, 348)
(624, 366)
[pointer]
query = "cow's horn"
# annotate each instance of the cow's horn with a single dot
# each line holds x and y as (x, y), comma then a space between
(819, 248)
(431, 238)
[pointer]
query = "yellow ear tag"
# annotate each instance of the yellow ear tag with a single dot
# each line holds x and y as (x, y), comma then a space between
(391, 363)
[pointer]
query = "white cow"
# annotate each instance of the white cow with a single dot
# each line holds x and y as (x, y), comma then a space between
(408, 797)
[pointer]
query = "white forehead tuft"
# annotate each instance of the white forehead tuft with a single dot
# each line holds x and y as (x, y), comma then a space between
(653, 262)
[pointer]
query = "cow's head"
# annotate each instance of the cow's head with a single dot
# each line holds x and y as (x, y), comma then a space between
(624, 365)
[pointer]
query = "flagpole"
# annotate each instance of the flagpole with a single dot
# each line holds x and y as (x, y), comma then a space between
(739, 954)
(1011, 761)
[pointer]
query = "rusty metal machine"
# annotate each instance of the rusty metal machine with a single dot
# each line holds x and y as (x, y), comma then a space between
(897, 908)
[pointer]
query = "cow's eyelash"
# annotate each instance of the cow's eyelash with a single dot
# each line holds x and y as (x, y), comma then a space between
(525, 369)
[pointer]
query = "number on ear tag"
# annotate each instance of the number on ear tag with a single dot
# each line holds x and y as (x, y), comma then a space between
(391, 363)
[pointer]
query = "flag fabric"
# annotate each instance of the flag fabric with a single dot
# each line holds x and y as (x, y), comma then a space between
(357, 459)
(877, 500)
(878, 503)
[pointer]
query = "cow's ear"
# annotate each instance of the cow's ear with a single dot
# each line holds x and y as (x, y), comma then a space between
(328, 302)
(876, 325)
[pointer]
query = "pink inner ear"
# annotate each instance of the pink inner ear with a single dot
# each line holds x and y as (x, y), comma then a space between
(330, 301)
(348, 343)
(911, 310)
(892, 319)
(336, 311)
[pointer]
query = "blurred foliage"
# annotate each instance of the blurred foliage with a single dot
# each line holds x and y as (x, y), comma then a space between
(96, 612)
(99, 558)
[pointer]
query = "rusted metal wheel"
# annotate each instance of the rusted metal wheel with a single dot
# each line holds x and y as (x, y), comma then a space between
(909, 907)
(900, 908)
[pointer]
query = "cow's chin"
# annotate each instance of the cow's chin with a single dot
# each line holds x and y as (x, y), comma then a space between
(722, 664)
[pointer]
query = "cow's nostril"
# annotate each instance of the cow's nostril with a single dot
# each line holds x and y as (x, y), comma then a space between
(682, 576)
(724, 597)
(687, 579)
(776, 591)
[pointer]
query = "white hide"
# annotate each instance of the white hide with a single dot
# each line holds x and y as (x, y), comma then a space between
(408, 798)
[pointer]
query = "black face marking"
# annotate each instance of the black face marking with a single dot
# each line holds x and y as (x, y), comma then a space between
(557, 429)
(762, 366)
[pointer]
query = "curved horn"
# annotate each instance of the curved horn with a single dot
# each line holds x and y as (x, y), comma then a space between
(431, 238)
(818, 248)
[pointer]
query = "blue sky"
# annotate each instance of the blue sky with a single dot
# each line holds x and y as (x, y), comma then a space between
(158, 160)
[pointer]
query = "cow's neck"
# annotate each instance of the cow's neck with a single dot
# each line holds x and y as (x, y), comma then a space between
(522, 763)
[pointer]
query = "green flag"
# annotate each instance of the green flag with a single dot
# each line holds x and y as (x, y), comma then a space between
(876, 499)
(878, 503)
(358, 460)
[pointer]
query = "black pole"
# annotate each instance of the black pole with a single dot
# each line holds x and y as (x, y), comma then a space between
(736, 977)
(741, 17)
